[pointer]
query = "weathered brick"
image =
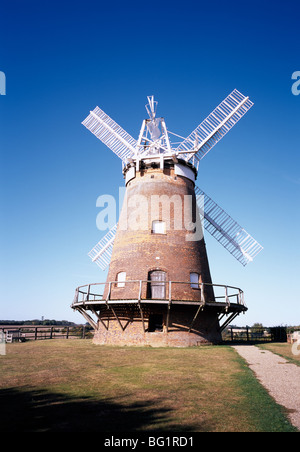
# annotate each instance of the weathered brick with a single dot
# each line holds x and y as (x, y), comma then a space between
(139, 252)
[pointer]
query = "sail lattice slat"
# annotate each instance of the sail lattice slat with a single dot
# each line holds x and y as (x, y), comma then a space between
(110, 133)
(215, 126)
(227, 231)
(101, 253)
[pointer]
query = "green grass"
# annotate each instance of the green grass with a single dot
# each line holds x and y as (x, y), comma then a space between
(62, 385)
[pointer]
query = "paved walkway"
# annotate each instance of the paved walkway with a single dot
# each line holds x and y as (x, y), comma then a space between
(278, 376)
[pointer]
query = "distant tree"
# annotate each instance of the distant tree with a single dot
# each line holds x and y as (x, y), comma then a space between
(258, 327)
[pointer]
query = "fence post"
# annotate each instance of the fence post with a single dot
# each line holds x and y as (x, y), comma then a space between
(35, 334)
(247, 334)
(51, 333)
(83, 332)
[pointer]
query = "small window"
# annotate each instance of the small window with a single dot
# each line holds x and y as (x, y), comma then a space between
(195, 280)
(159, 227)
(121, 278)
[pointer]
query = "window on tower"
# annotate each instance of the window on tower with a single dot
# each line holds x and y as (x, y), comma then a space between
(121, 278)
(194, 278)
(159, 227)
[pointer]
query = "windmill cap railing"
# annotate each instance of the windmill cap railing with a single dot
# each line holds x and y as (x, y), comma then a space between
(89, 295)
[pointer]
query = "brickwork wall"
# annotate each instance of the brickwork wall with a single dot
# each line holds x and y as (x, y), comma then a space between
(138, 252)
(205, 329)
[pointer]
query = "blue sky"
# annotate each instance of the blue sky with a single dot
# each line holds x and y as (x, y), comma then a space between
(61, 59)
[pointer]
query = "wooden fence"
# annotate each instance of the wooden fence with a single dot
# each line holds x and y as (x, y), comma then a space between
(39, 332)
(247, 334)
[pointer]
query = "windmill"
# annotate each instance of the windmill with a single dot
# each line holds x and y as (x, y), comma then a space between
(159, 289)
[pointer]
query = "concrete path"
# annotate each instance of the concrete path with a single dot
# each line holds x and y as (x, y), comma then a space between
(278, 376)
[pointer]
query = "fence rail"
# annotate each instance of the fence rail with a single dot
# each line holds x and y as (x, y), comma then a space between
(40, 332)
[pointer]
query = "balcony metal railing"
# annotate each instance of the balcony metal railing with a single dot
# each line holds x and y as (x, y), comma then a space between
(102, 293)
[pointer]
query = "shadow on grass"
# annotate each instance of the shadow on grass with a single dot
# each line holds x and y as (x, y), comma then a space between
(27, 410)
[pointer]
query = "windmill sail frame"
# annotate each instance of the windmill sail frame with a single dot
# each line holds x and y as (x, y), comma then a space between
(111, 134)
(153, 143)
(227, 231)
(215, 126)
(101, 253)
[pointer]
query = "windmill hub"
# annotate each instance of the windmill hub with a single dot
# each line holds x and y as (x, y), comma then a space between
(159, 289)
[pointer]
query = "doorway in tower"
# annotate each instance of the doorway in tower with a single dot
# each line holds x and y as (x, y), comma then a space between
(157, 285)
(155, 323)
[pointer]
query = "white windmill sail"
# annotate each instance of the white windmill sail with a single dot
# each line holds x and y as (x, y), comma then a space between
(220, 225)
(111, 134)
(227, 231)
(101, 253)
(215, 126)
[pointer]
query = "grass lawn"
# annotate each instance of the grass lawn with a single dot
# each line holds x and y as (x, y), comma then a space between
(284, 350)
(73, 385)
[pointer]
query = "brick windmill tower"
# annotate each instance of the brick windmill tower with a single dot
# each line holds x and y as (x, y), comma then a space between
(159, 289)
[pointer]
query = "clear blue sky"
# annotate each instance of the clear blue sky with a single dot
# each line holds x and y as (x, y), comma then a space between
(61, 59)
